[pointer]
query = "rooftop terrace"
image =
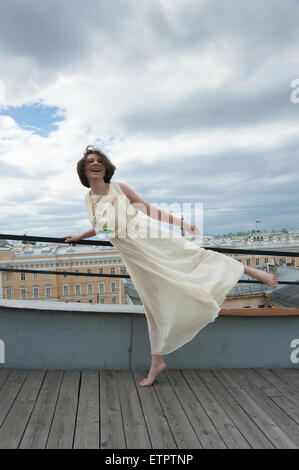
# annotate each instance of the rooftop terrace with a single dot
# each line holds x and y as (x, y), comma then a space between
(184, 409)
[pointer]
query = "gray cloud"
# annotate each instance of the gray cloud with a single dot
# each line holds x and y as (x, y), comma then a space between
(213, 109)
(8, 170)
(55, 33)
(127, 41)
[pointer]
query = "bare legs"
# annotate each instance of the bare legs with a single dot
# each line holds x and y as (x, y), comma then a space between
(158, 365)
(266, 278)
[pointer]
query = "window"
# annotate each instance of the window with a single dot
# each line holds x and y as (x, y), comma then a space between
(48, 291)
(23, 277)
(65, 275)
(47, 276)
(35, 291)
(248, 262)
(102, 300)
(23, 293)
(113, 286)
(78, 289)
(65, 289)
(101, 287)
(112, 270)
(257, 262)
(89, 271)
(8, 277)
(89, 288)
(266, 260)
(8, 292)
(76, 271)
(100, 270)
(114, 300)
(34, 276)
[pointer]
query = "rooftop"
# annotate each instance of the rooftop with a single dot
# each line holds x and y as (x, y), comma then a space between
(184, 409)
(287, 296)
(24, 251)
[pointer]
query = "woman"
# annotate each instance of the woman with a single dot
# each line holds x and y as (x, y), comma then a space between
(181, 285)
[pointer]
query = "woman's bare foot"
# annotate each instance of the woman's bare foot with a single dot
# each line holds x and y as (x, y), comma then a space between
(266, 278)
(156, 368)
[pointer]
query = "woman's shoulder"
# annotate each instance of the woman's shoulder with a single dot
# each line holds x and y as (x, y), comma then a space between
(124, 187)
(119, 185)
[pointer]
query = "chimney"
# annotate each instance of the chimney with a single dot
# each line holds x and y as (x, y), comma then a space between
(272, 268)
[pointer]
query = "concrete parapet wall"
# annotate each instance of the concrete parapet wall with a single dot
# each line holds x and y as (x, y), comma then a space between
(54, 335)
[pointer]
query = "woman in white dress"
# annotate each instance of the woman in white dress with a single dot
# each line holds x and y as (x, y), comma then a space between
(181, 285)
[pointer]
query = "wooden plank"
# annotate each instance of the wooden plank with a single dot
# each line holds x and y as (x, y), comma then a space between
(38, 427)
(156, 422)
(287, 390)
(13, 427)
(111, 426)
(133, 420)
(261, 383)
(231, 404)
(4, 373)
(288, 376)
(179, 424)
(258, 416)
(9, 391)
(87, 434)
(63, 425)
(281, 418)
(202, 425)
(230, 434)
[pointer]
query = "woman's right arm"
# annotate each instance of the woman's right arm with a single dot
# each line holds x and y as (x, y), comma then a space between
(156, 213)
(75, 238)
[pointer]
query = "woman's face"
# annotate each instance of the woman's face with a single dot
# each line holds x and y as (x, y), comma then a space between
(93, 167)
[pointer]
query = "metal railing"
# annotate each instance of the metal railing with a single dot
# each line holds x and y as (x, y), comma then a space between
(107, 243)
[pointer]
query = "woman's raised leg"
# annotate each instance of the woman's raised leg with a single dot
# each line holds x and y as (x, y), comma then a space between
(266, 278)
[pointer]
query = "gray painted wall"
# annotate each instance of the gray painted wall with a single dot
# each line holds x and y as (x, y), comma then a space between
(89, 340)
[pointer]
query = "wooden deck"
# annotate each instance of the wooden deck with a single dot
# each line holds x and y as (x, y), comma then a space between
(185, 409)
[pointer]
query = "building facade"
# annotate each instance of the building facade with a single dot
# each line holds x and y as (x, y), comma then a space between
(67, 288)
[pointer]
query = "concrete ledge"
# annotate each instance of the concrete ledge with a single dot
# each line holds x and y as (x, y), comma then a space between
(60, 335)
(70, 306)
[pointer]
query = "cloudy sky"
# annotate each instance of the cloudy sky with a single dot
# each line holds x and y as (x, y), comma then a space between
(195, 101)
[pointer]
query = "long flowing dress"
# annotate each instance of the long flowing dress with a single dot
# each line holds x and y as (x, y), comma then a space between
(181, 285)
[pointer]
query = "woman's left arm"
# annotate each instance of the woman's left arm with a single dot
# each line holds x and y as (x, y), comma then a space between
(154, 212)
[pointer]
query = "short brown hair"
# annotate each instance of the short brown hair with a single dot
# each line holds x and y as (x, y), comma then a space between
(105, 160)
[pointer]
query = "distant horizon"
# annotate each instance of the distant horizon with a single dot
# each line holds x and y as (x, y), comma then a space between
(207, 234)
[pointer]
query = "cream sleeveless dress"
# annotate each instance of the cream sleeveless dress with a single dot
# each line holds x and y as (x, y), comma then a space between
(180, 284)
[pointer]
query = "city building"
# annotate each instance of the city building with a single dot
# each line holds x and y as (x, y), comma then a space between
(63, 287)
